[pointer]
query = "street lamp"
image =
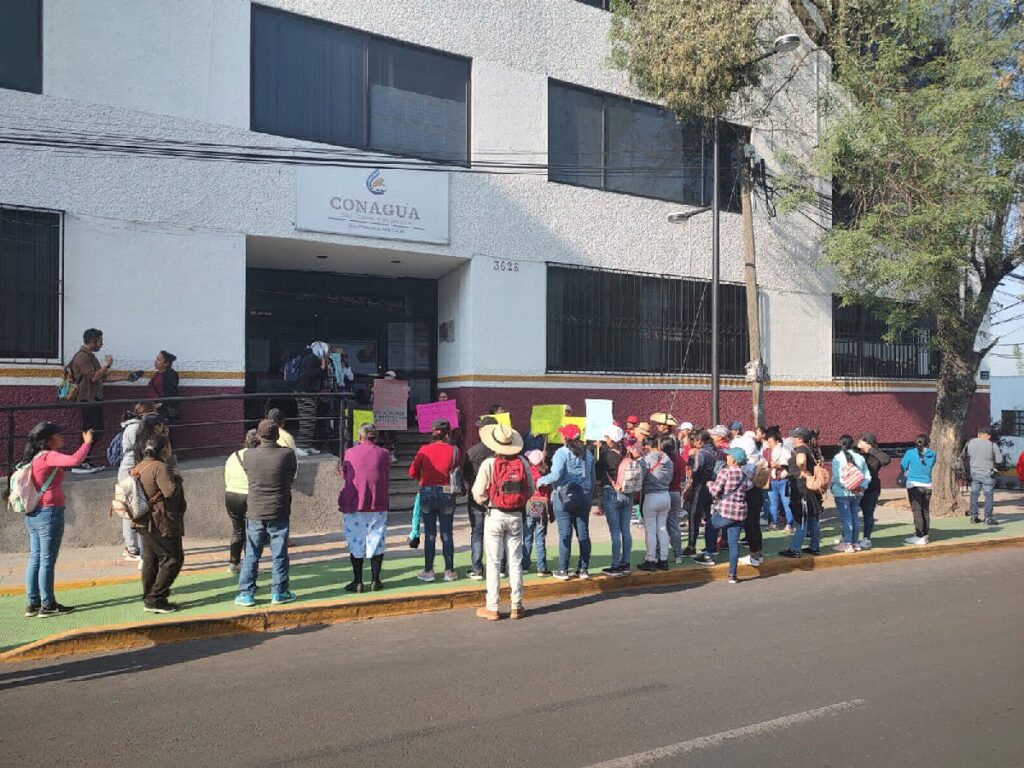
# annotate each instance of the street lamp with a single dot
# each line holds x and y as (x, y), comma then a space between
(783, 44)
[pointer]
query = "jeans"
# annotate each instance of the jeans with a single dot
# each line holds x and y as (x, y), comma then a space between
(982, 481)
(476, 536)
(569, 520)
(618, 510)
(920, 503)
(810, 524)
(162, 558)
(778, 496)
(846, 508)
(257, 534)
(45, 532)
(868, 502)
(501, 530)
(130, 536)
(675, 538)
(534, 532)
(700, 511)
(656, 507)
(236, 504)
(435, 503)
(731, 529)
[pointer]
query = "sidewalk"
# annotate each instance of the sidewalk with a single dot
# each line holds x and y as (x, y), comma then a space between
(320, 569)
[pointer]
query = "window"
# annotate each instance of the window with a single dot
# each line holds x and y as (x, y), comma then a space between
(604, 321)
(604, 5)
(1012, 424)
(320, 82)
(860, 349)
(29, 283)
(620, 145)
(21, 45)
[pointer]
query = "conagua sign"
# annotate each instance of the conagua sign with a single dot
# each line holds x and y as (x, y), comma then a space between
(373, 202)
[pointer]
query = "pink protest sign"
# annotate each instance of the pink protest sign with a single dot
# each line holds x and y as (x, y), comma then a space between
(390, 404)
(427, 413)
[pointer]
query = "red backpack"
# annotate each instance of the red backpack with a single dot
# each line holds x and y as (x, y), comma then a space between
(508, 484)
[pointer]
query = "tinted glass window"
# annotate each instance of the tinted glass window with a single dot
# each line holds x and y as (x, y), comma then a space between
(575, 136)
(29, 282)
(21, 45)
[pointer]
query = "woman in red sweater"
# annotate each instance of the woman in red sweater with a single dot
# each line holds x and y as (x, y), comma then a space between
(432, 468)
(46, 523)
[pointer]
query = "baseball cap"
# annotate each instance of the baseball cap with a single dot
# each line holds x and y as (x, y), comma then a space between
(738, 454)
(632, 419)
(614, 434)
(736, 425)
(686, 425)
(570, 432)
(44, 430)
(801, 433)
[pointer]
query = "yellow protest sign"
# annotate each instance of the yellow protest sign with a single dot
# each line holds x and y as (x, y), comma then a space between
(546, 419)
(504, 418)
(358, 419)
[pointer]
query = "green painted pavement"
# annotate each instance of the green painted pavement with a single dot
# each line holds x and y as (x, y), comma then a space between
(209, 593)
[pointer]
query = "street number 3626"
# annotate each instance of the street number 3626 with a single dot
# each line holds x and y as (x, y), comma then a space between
(505, 266)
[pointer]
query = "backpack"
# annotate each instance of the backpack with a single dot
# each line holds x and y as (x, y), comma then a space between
(850, 477)
(24, 497)
(292, 369)
(820, 480)
(508, 489)
(67, 387)
(115, 451)
(630, 477)
(130, 502)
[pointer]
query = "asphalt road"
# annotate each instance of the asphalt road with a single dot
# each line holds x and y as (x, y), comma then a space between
(909, 664)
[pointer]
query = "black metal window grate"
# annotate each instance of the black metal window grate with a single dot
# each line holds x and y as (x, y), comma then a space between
(607, 321)
(1012, 424)
(859, 347)
(29, 283)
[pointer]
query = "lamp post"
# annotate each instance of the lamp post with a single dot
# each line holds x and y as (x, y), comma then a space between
(782, 44)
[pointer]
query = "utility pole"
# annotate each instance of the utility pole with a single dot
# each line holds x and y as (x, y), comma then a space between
(755, 368)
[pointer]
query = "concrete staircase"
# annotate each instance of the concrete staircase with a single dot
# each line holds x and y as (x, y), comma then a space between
(403, 488)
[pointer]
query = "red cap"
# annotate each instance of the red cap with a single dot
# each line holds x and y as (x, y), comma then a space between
(570, 432)
(633, 420)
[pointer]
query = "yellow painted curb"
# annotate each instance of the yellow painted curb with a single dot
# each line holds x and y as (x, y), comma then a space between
(126, 636)
(104, 581)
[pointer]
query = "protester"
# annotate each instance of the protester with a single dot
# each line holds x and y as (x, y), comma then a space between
(675, 495)
(778, 455)
(164, 383)
(658, 472)
(807, 510)
(364, 502)
(756, 470)
(572, 481)
(663, 423)
(847, 499)
(236, 497)
(271, 469)
(629, 439)
(728, 490)
(983, 459)
(535, 529)
(45, 523)
(475, 456)
(163, 528)
(735, 430)
(129, 436)
(504, 485)
(311, 379)
(918, 466)
(617, 506)
(432, 468)
(697, 494)
(875, 458)
(89, 376)
(285, 438)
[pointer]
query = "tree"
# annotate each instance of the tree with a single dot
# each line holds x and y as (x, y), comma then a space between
(925, 137)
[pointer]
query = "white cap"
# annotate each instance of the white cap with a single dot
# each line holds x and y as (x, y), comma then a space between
(614, 433)
(686, 425)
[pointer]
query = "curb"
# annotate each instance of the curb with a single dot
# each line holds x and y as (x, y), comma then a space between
(137, 635)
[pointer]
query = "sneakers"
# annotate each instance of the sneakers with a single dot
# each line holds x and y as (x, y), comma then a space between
(355, 586)
(611, 570)
(753, 560)
(544, 572)
(689, 552)
(843, 547)
(916, 541)
(810, 551)
(425, 576)
(376, 585)
(679, 559)
(54, 609)
(790, 553)
(788, 529)
(164, 607)
(474, 575)
(583, 573)
(246, 601)
(32, 610)
(234, 567)
(662, 565)
(561, 575)
(130, 556)
(86, 468)
(704, 559)
(974, 520)
(280, 598)
(649, 567)
(624, 569)
(487, 615)
(301, 453)
(865, 544)
(991, 521)
(733, 580)
(517, 612)
(451, 576)
(312, 452)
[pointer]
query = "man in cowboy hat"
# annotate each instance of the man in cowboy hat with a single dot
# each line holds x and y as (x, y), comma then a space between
(503, 485)
(663, 423)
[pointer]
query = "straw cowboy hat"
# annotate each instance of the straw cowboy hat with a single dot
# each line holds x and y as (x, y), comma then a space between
(502, 439)
(663, 418)
(643, 429)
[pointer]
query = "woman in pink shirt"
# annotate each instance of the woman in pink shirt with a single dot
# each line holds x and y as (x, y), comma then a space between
(46, 523)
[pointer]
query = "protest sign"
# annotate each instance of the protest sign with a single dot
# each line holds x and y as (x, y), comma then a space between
(504, 418)
(391, 404)
(546, 419)
(428, 413)
(358, 419)
(599, 418)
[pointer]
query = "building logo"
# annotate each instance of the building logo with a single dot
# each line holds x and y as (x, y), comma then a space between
(375, 183)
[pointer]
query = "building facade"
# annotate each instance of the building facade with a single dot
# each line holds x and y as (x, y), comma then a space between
(465, 192)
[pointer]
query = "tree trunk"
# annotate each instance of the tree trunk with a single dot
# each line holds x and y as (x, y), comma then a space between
(956, 388)
(753, 305)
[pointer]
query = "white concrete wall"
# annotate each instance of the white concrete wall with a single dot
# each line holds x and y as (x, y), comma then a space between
(180, 69)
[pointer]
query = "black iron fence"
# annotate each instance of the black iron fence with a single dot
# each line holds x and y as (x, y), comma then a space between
(209, 425)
